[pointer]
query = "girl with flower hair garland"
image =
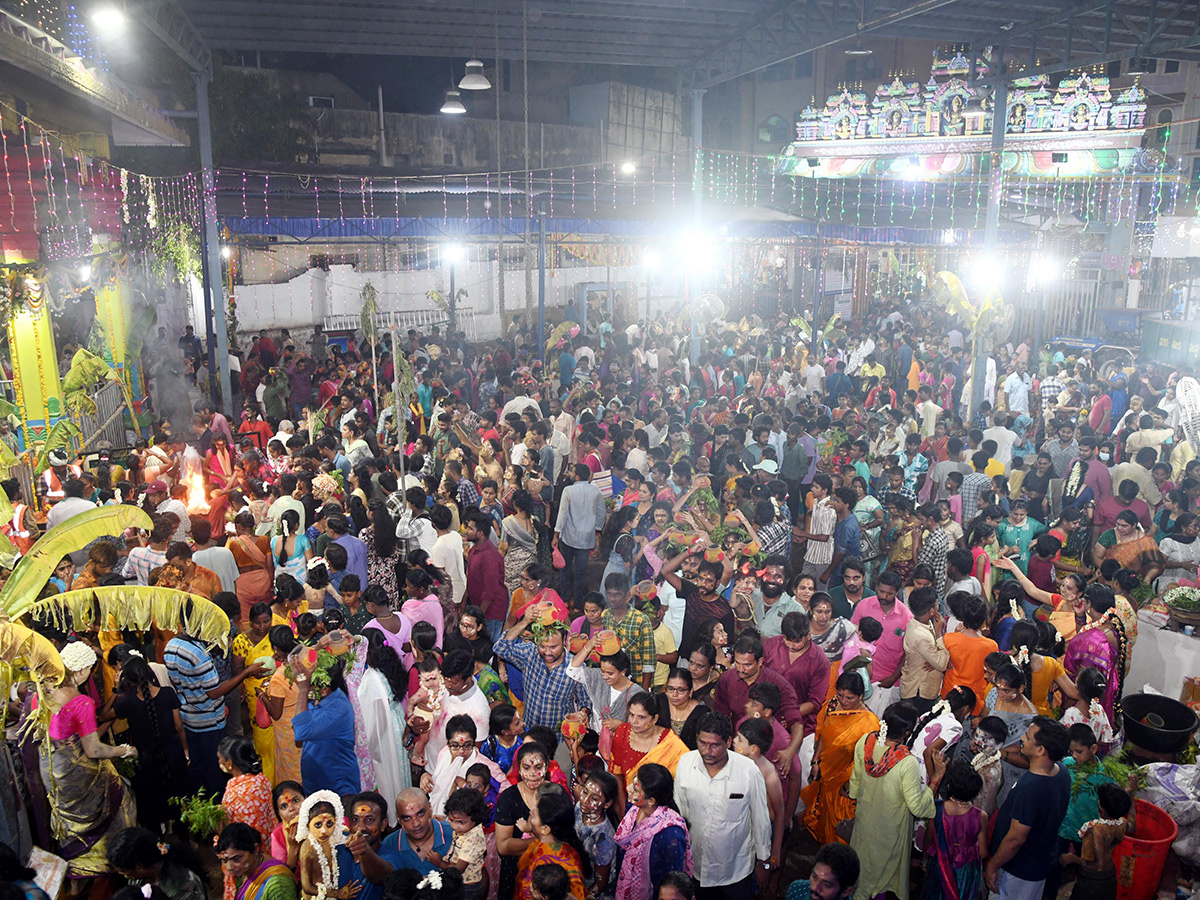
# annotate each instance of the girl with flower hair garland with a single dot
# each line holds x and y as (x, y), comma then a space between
(319, 831)
(1088, 709)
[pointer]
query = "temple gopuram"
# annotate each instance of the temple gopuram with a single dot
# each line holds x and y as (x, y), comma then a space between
(938, 129)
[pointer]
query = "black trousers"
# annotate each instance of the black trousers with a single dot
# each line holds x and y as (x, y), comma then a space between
(739, 890)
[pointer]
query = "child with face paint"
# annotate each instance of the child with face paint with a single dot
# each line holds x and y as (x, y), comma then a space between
(319, 830)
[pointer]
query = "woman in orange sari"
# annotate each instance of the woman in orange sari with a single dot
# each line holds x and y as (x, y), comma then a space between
(552, 824)
(256, 565)
(637, 741)
(839, 727)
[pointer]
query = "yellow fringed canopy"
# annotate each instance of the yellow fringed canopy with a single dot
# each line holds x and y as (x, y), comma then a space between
(137, 607)
(36, 567)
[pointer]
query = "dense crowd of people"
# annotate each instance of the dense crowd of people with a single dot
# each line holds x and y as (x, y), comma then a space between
(614, 624)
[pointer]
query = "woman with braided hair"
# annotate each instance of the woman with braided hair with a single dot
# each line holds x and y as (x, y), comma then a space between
(1042, 673)
(1100, 642)
(156, 730)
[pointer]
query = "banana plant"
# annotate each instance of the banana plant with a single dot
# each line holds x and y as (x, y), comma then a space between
(36, 567)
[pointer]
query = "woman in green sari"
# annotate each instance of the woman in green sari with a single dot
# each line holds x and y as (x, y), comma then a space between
(255, 876)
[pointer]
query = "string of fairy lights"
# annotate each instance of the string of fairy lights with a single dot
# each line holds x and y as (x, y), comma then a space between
(54, 192)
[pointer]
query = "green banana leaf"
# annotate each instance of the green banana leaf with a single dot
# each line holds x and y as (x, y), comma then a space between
(36, 567)
(138, 329)
(86, 369)
(20, 647)
(136, 607)
(60, 435)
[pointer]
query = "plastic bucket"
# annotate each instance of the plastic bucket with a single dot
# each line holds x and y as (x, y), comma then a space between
(1141, 857)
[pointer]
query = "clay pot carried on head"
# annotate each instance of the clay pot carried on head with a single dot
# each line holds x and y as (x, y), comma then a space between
(577, 642)
(574, 724)
(547, 614)
(609, 643)
(645, 590)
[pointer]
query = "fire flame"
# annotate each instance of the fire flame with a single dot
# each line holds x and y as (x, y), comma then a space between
(196, 502)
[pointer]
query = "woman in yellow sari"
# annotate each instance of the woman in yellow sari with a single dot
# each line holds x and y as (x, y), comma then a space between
(250, 646)
(637, 741)
(278, 694)
(839, 727)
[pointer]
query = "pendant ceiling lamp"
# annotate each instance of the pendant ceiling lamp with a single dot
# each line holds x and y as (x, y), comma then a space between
(453, 104)
(474, 80)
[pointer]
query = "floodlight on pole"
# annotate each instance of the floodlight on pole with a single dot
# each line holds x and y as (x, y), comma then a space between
(85, 272)
(628, 167)
(226, 253)
(109, 20)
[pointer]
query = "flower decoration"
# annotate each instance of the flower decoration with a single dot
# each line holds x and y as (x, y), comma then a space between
(326, 487)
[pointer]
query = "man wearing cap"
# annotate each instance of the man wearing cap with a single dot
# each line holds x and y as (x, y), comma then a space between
(765, 471)
(50, 485)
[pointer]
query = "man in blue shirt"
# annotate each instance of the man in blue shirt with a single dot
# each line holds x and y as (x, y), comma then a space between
(368, 817)
(356, 550)
(332, 451)
(566, 365)
(847, 534)
(194, 677)
(326, 732)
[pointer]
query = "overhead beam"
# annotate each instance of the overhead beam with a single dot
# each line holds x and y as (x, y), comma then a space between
(170, 24)
(1095, 33)
(791, 29)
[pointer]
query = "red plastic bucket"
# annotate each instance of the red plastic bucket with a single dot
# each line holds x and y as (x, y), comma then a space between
(1142, 856)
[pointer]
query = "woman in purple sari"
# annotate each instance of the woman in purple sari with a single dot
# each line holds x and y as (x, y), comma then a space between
(1100, 642)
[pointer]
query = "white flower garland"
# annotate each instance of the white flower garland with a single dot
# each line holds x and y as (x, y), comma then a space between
(1096, 710)
(882, 732)
(330, 873)
(1021, 658)
(982, 759)
(1088, 825)
(1015, 609)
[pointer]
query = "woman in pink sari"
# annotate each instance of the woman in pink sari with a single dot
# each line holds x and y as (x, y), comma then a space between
(652, 837)
(1101, 643)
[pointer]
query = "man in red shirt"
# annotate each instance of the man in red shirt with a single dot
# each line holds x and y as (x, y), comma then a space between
(485, 572)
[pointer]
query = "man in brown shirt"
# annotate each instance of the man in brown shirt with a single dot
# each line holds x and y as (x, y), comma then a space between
(925, 655)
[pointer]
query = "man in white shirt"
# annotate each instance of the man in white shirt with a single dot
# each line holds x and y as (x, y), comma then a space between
(1003, 437)
(168, 501)
(71, 505)
(286, 429)
(463, 698)
(723, 797)
(563, 422)
(1017, 386)
(927, 410)
(414, 525)
(447, 552)
(215, 559)
(814, 377)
